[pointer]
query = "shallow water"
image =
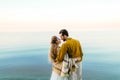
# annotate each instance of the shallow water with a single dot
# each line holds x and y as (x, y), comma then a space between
(24, 56)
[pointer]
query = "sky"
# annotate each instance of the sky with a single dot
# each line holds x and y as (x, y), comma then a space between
(52, 15)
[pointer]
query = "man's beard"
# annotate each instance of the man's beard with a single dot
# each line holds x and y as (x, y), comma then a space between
(64, 39)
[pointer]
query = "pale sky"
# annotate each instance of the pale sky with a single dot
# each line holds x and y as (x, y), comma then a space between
(52, 15)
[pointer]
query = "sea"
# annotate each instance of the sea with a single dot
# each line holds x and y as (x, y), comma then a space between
(24, 55)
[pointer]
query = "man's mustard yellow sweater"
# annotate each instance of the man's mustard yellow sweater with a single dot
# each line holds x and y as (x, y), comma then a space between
(72, 47)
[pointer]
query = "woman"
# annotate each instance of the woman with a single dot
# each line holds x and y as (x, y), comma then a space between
(54, 50)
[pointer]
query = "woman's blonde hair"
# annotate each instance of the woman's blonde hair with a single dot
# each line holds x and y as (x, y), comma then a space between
(53, 49)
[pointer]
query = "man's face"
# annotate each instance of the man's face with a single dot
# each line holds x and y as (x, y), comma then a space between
(62, 37)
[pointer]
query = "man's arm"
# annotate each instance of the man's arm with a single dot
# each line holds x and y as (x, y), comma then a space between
(62, 52)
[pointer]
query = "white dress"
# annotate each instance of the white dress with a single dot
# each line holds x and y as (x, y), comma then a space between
(74, 76)
(55, 76)
(77, 75)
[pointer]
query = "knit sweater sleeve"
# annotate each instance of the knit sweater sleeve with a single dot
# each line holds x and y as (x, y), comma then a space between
(62, 52)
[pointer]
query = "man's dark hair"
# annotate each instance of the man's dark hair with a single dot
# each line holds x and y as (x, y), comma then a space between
(64, 32)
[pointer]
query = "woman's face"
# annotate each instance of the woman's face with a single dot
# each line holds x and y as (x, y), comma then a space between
(58, 41)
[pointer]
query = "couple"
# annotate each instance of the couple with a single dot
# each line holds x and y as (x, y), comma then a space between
(66, 60)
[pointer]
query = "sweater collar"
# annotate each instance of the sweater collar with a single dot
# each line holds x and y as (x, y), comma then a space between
(68, 38)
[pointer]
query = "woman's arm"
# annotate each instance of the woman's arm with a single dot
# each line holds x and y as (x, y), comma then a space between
(51, 57)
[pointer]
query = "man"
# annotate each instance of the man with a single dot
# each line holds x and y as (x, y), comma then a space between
(73, 48)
